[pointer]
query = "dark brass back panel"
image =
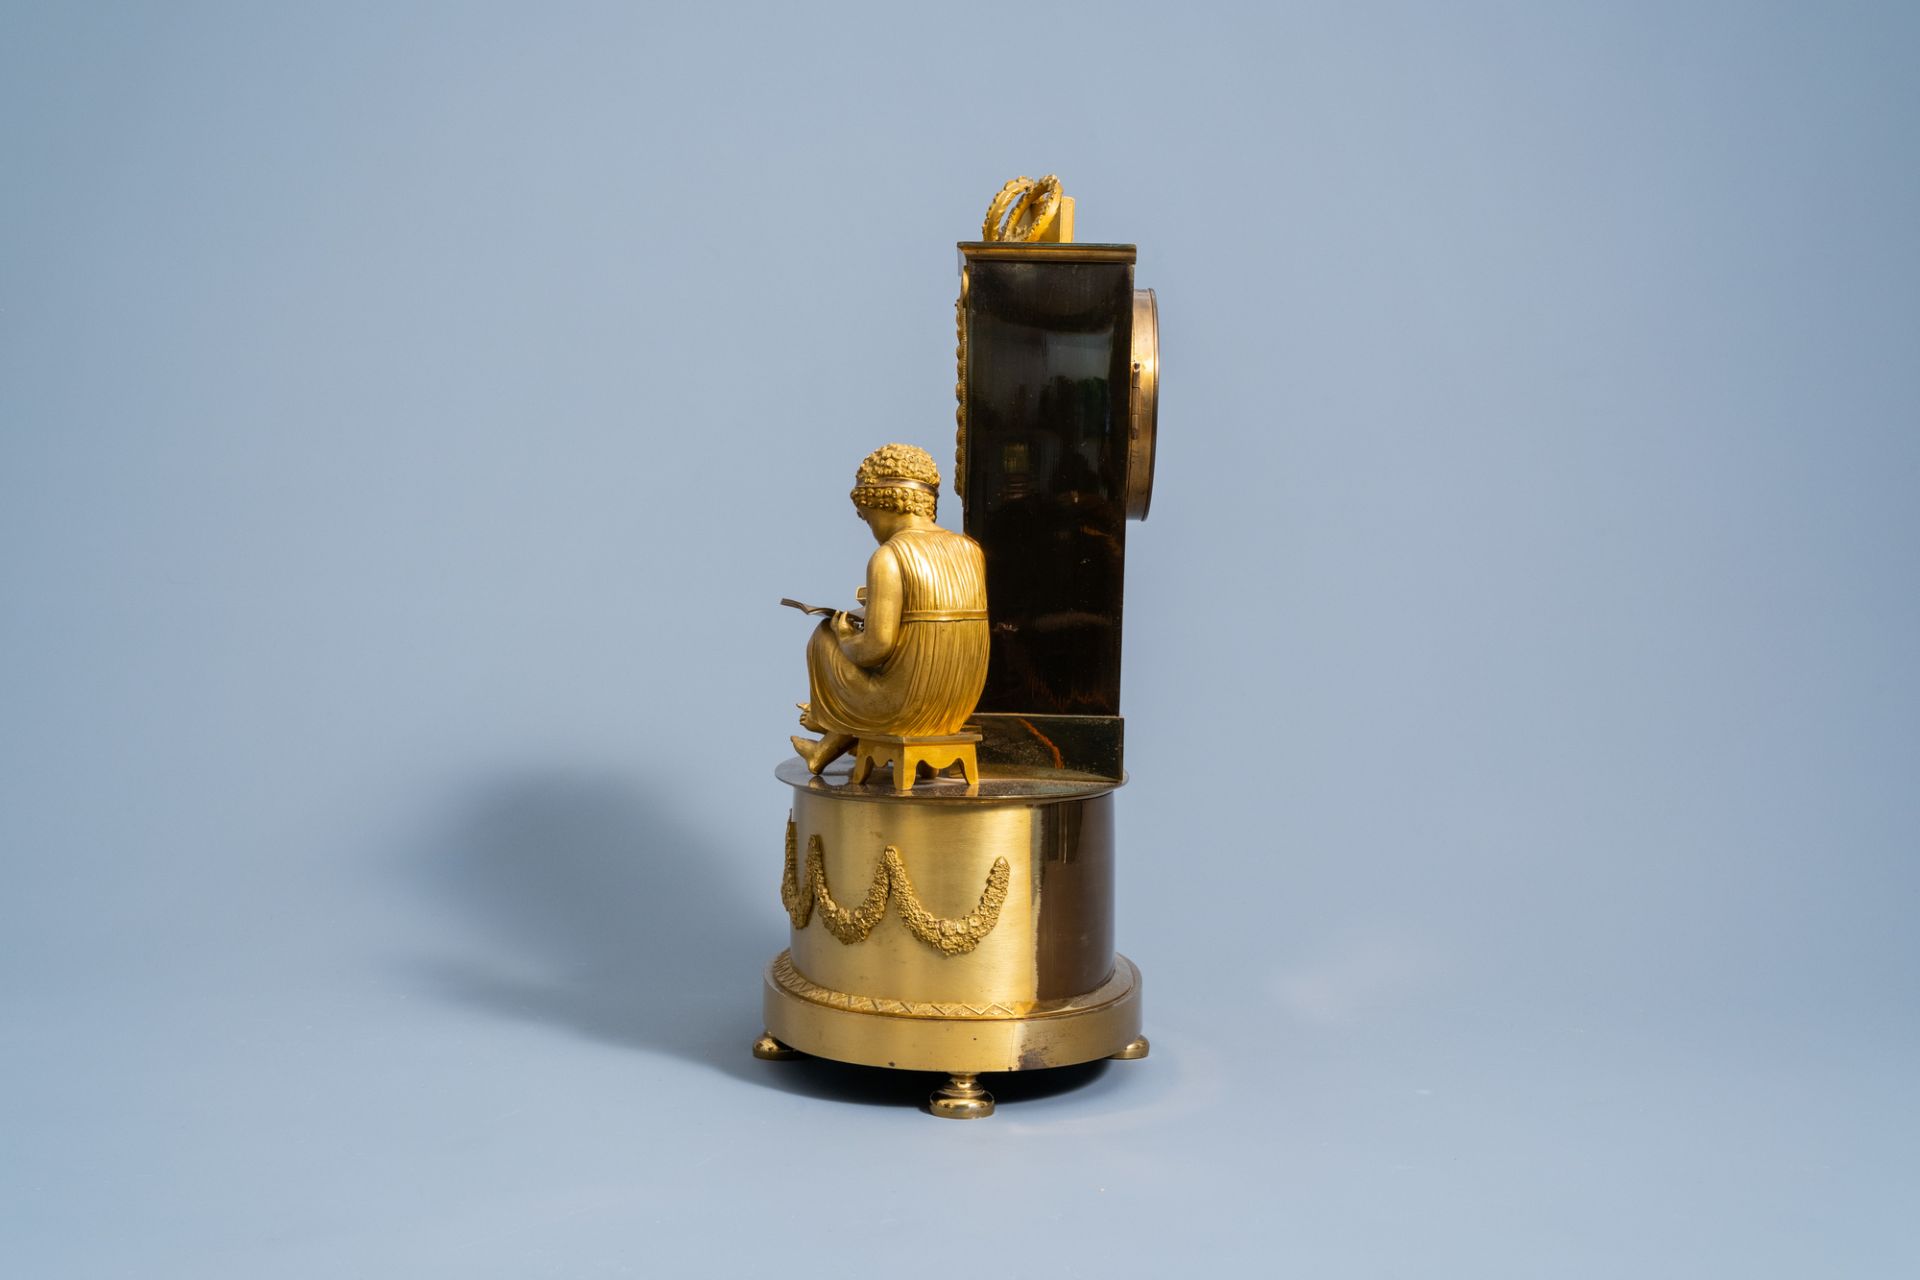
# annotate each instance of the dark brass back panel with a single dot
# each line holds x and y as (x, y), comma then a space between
(1075, 933)
(1049, 348)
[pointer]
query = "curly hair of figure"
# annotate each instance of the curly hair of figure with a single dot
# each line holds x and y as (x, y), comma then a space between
(896, 462)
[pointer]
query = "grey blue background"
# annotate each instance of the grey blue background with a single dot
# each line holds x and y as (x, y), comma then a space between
(409, 416)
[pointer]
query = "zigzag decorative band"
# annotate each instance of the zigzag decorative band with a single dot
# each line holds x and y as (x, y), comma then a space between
(791, 979)
(1118, 986)
(954, 937)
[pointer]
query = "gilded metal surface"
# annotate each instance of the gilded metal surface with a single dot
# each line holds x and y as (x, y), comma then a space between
(1020, 973)
(904, 756)
(1016, 784)
(1052, 934)
(1144, 410)
(792, 981)
(767, 1049)
(1022, 210)
(961, 1098)
(960, 388)
(1003, 251)
(914, 665)
(1061, 232)
(943, 1043)
(951, 937)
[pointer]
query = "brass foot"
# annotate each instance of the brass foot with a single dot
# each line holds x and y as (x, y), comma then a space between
(961, 1098)
(1138, 1049)
(768, 1049)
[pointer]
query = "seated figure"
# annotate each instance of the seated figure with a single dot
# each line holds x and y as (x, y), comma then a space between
(917, 666)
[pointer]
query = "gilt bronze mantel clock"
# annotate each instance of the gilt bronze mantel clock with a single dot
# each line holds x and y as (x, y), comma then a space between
(960, 919)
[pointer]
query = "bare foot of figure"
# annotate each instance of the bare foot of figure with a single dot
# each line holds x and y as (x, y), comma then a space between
(819, 755)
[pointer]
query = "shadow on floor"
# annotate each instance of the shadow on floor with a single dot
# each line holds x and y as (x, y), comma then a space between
(595, 908)
(882, 1087)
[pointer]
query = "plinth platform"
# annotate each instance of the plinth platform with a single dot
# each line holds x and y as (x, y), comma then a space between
(952, 928)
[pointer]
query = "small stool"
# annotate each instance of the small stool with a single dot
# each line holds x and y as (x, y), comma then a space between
(906, 755)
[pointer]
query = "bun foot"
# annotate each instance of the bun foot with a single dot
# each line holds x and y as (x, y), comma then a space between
(961, 1098)
(768, 1049)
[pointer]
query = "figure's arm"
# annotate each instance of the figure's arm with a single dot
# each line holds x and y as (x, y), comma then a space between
(886, 596)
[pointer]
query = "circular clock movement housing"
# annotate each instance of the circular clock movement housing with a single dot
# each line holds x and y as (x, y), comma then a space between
(1144, 412)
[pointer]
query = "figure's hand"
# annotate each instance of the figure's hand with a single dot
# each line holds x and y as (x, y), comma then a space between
(843, 628)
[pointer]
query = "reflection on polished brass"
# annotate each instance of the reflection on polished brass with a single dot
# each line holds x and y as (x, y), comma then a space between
(1073, 744)
(768, 1049)
(915, 666)
(1144, 413)
(961, 1098)
(950, 937)
(1047, 470)
(1025, 211)
(1003, 784)
(1138, 1049)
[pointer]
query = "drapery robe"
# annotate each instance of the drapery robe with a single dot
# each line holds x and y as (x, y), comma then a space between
(931, 681)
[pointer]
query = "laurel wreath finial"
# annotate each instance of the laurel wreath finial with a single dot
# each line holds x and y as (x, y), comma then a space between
(1022, 210)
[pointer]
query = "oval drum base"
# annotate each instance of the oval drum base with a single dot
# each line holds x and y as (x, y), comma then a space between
(954, 1038)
